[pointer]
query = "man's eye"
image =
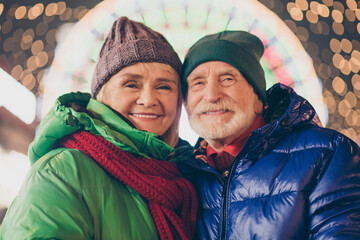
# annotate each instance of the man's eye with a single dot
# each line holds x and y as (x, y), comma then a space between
(229, 78)
(196, 83)
(227, 81)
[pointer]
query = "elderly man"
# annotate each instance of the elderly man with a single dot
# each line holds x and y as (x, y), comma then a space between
(264, 167)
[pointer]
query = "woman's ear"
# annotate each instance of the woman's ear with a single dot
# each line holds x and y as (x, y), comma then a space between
(100, 95)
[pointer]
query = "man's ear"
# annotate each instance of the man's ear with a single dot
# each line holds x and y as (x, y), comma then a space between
(258, 105)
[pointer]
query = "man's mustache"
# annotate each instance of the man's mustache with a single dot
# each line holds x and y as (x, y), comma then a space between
(222, 104)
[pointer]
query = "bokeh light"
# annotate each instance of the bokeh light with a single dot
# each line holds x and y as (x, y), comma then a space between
(328, 31)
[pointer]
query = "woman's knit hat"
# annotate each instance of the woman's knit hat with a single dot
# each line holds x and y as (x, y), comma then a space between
(240, 49)
(127, 43)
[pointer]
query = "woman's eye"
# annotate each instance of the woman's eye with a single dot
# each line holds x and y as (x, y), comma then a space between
(130, 85)
(164, 87)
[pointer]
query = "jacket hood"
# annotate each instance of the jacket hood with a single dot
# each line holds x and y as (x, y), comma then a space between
(76, 111)
(286, 112)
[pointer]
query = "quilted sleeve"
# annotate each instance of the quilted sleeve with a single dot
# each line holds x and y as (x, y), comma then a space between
(48, 206)
(335, 201)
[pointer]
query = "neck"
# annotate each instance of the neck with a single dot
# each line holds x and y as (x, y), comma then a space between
(220, 144)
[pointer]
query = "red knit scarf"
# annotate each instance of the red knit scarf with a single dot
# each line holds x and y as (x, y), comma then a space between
(172, 199)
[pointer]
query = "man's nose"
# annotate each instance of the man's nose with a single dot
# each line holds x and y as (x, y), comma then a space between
(213, 92)
(147, 98)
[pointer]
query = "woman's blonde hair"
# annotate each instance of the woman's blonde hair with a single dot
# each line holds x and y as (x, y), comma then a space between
(171, 136)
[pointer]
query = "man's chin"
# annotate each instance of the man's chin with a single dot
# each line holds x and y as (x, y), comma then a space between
(208, 129)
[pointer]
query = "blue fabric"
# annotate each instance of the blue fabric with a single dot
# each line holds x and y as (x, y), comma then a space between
(292, 180)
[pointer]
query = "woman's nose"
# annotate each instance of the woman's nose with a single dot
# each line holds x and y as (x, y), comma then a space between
(147, 98)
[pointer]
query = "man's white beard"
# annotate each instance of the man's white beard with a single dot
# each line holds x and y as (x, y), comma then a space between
(214, 128)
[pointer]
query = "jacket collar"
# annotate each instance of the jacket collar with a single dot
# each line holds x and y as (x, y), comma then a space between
(286, 112)
(75, 111)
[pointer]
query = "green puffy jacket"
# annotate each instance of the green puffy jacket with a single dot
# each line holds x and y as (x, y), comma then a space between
(66, 195)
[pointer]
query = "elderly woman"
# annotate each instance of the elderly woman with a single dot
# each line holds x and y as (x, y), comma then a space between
(103, 165)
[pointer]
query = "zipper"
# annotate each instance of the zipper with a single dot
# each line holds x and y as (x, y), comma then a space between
(224, 196)
(225, 192)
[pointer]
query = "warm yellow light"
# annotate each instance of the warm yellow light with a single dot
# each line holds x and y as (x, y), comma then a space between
(37, 47)
(51, 9)
(66, 15)
(295, 11)
(337, 16)
(29, 82)
(302, 4)
(335, 45)
(328, 3)
(323, 10)
(351, 4)
(20, 12)
(337, 59)
(30, 63)
(16, 72)
(339, 86)
(351, 98)
(311, 16)
(338, 28)
(350, 15)
(1, 8)
(355, 81)
(61, 7)
(346, 45)
(344, 108)
(41, 59)
(36, 11)
(329, 101)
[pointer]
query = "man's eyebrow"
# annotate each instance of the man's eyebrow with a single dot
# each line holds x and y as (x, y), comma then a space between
(193, 76)
(229, 71)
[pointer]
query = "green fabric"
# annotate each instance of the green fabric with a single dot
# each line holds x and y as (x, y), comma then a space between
(240, 49)
(63, 120)
(66, 195)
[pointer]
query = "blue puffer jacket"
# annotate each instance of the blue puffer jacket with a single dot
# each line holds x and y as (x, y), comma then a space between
(292, 180)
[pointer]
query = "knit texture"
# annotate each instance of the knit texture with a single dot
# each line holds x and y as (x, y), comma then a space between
(127, 43)
(172, 199)
(240, 49)
(223, 161)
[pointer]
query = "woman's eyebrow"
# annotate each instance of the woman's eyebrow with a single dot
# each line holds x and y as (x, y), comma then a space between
(166, 80)
(131, 75)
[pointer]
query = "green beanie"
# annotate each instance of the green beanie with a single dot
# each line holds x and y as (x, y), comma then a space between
(240, 49)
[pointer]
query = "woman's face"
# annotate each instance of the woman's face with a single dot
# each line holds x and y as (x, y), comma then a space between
(146, 94)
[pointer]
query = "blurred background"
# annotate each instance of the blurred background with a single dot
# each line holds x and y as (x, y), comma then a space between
(47, 49)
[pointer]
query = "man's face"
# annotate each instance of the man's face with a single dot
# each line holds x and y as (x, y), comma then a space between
(146, 94)
(220, 103)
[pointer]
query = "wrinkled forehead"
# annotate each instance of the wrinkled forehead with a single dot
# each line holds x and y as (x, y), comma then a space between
(216, 67)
